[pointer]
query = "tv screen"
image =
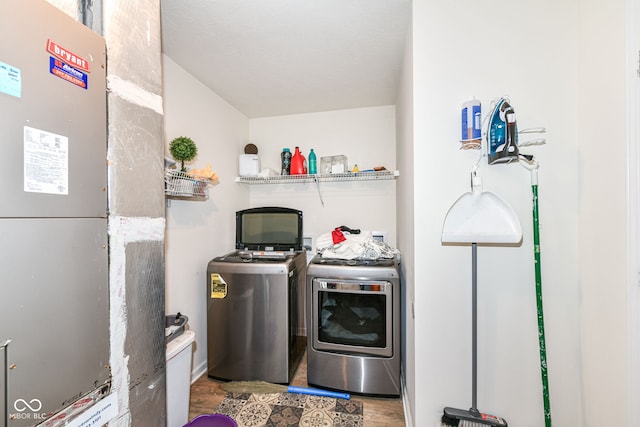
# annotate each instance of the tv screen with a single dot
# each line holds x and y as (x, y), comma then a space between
(278, 229)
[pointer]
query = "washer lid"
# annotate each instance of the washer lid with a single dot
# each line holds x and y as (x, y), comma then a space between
(269, 229)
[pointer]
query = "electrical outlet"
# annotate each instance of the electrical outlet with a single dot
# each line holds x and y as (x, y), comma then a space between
(379, 235)
(307, 243)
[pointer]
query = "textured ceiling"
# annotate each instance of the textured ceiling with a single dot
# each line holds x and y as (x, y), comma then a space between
(276, 57)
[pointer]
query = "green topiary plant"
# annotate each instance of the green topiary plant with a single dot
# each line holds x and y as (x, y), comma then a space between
(183, 149)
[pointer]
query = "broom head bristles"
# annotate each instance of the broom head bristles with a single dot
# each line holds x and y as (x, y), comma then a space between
(472, 418)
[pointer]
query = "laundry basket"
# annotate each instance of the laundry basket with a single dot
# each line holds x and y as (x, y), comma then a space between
(212, 420)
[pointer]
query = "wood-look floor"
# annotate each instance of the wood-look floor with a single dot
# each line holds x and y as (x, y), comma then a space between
(206, 394)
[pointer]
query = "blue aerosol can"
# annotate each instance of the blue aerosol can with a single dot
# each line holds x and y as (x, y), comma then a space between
(286, 161)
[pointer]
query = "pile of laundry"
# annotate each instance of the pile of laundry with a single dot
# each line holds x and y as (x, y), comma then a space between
(346, 243)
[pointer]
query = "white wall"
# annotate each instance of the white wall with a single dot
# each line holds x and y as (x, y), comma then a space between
(633, 219)
(526, 50)
(197, 231)
(405, 208)
(365, 135)
(604, 70)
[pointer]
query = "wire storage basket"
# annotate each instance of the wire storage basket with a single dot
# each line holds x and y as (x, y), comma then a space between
(182, 185)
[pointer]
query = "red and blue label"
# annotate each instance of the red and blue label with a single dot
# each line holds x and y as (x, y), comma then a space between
(67, 56)
(67, 65)
(67, 72)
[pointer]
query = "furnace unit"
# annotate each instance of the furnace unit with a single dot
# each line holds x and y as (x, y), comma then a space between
(54, 336)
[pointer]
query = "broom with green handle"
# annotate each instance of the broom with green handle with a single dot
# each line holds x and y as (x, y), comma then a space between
(265, 387)
(533, 168)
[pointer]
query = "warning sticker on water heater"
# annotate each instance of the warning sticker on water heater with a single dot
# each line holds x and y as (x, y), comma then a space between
(46, 162)
(218, 286)
(10, 80)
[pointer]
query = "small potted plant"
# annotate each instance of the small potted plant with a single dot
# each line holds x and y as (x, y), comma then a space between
(183, 149)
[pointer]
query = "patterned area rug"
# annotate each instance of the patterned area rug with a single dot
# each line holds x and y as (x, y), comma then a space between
(291, 410)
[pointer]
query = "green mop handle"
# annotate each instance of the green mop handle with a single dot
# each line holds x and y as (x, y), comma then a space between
(543, 348)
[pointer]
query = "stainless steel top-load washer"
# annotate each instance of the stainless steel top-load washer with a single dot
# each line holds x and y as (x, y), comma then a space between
(255, 299)
(353, 318)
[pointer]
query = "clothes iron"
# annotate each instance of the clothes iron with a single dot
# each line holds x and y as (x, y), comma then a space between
(503, 134)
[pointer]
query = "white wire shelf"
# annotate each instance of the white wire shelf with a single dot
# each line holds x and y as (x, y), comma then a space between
(328, 177)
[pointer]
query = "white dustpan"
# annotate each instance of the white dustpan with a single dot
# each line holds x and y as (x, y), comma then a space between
(481, 217)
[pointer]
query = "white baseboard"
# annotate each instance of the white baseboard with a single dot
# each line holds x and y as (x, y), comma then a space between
(198, 371)
(408, 417)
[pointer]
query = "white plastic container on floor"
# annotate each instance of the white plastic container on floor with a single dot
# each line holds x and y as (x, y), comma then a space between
(179, 378)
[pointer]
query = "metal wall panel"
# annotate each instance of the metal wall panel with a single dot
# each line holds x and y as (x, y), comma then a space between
(136, 154)
(132, 29)
(52, 104)
(136, 190)
(145, 324)
(136, 142)
(54, 308)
